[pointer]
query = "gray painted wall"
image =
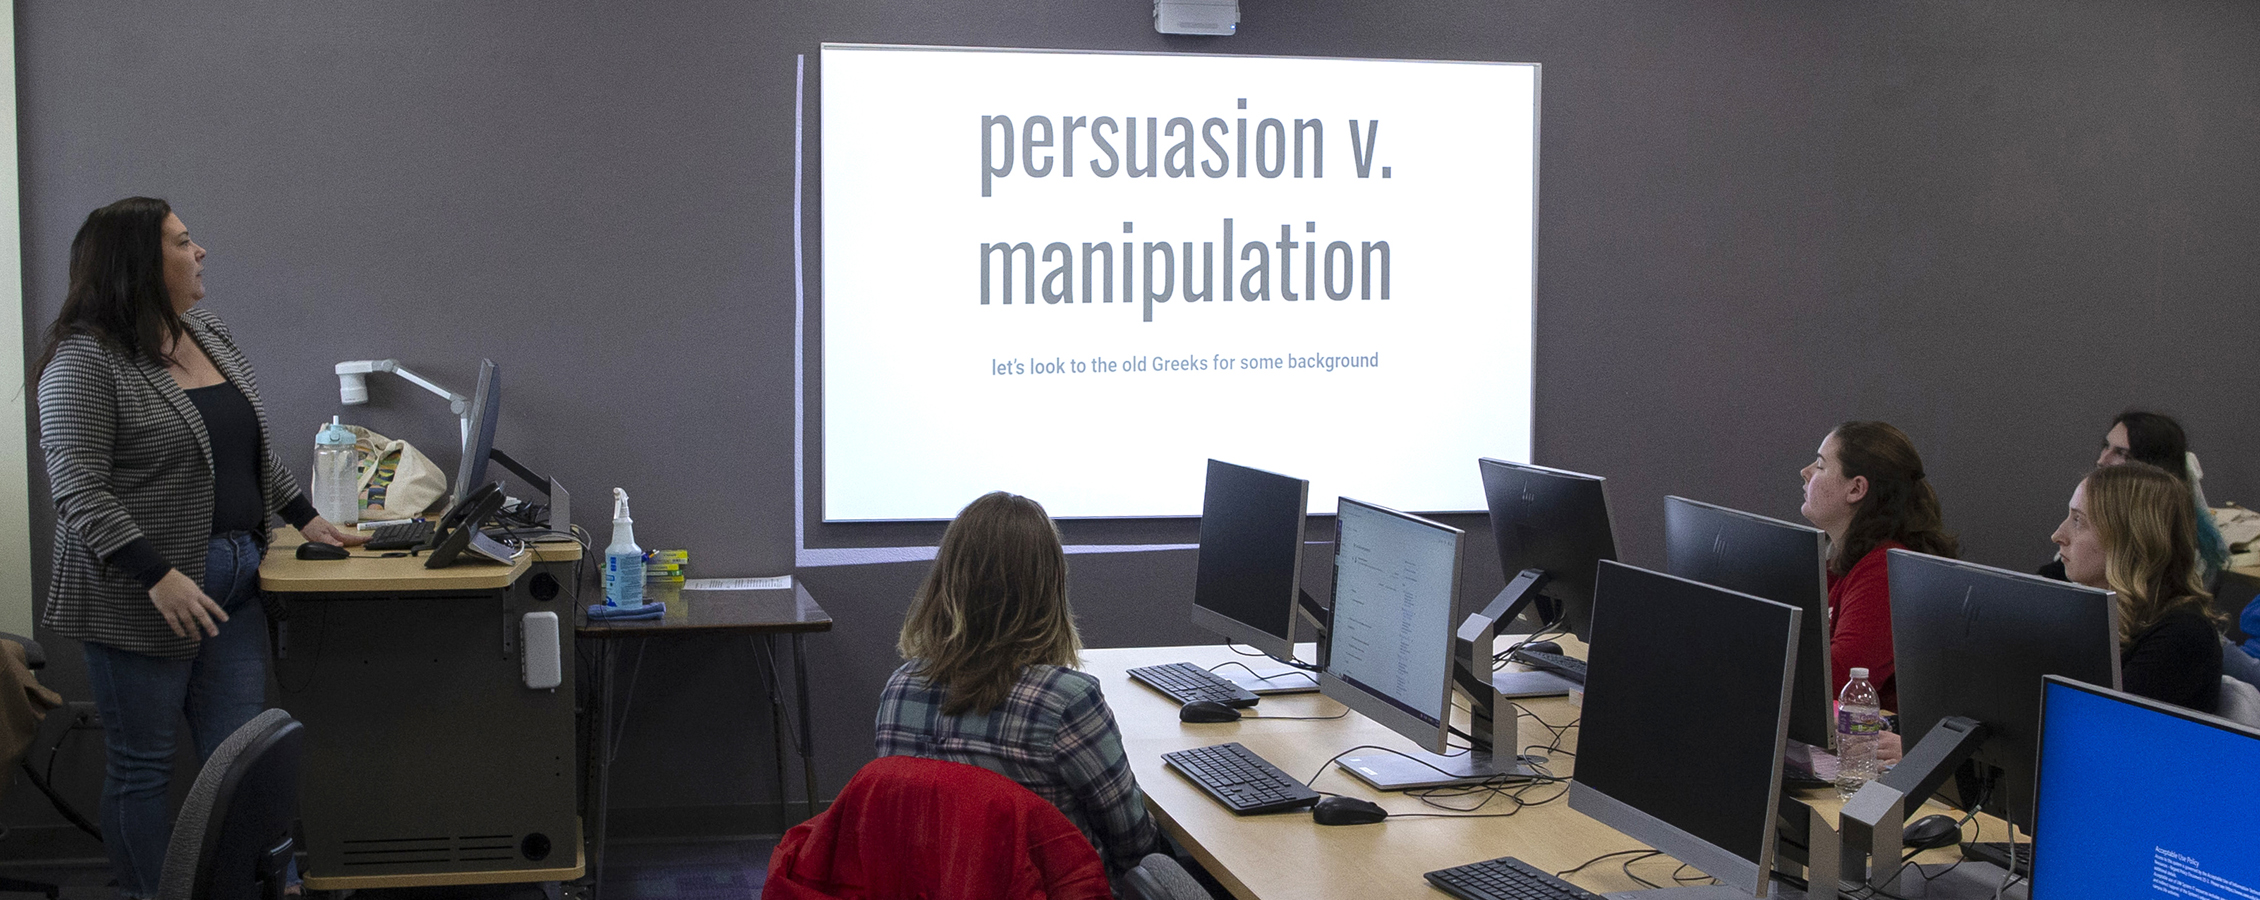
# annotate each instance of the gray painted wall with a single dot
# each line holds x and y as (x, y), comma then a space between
(1992, 224)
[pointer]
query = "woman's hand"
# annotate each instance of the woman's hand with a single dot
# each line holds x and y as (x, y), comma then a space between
(1888, 749)
(322, 531)
(186, 608)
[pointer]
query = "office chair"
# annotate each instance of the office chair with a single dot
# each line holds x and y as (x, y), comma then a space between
(2240, 702)
(34, 658)
(232, 840)
(911, 827)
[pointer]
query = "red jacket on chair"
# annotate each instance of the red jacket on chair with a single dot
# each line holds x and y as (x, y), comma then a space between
(906, 827)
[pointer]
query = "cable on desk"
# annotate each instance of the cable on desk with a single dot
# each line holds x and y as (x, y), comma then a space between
(1303, 672)
(1627, 867)
(1643, 852)
(1251, 651)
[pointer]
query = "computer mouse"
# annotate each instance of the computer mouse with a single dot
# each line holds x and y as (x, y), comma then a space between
(1346, 811)
(1543, 647)
(319, 550)
(1207, 711)
(1932, 832)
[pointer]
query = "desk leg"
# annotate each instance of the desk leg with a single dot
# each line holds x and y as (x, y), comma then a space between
(766, 647)
(807, 725)
(600, 746)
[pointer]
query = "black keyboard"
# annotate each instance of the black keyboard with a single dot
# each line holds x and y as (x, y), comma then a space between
(400, 536)
(1997, 853)
(1240, 779)
(1505, 878)
(1573, 669)
(1186, 683)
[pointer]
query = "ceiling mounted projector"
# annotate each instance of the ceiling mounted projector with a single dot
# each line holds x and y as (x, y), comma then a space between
(1217, 17)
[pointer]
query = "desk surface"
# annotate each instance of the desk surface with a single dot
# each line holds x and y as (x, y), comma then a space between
(283, 572)
(779, 610)
(1287, 855)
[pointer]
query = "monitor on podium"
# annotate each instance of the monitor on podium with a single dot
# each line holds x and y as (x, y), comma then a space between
(1686, 716)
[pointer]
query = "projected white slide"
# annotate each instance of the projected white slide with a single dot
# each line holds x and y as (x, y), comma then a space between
(1079, 276)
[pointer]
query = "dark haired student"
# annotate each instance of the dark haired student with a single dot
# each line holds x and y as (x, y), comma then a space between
(164, 476)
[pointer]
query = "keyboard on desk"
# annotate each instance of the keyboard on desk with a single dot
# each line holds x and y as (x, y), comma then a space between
(1187, 683)
(1572, 669)
(400, 536)
(1240, 779)
(1505, 878)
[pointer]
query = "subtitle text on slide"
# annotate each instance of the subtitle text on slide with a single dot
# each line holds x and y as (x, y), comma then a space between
(1213, 362)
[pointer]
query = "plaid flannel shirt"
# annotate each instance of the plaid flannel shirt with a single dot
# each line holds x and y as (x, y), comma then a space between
(1053, 734)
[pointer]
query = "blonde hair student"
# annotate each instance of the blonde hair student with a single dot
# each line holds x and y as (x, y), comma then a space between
(2131, 528)
(989, 648)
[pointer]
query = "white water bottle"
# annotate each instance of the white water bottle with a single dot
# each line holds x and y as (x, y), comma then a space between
(623, 560)
(337, 487)
(1859, 725)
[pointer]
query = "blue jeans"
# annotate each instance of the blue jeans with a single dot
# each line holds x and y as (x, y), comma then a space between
(142, 698)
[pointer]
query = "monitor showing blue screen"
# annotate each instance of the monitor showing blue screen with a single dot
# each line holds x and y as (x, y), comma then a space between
(2143, 799)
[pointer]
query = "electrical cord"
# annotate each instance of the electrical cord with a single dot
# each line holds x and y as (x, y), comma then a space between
(1643, 853)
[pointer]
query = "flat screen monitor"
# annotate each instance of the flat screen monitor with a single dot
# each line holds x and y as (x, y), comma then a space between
(1247, 578)
(1556, 522)
(2143, 799)
(478, 445)
(1770, 558)
(1396, 577)
(1975, 642)
(1686, 715)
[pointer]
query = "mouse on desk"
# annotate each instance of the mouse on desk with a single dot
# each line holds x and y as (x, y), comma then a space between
(1543, 647)
(1207, 711)
(319, 550)
(1932, 832)
(1346, 811)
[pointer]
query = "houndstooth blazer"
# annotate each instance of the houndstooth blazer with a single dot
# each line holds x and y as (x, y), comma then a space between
(127, 457)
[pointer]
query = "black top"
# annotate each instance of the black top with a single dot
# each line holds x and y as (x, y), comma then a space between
(2177, 660)
(234, 431)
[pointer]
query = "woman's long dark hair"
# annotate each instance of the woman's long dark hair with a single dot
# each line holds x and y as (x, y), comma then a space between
(1900, 506)
(118, 294)
(2156, 439)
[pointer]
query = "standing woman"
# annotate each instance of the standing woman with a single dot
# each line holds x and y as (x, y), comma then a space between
(2131, 530)
(990, 643)
(164, 476)
(1866, 489)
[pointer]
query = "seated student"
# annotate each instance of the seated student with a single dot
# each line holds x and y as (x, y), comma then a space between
(2155, 438)
(989, 641)
(2131, 529)
(1866, 489)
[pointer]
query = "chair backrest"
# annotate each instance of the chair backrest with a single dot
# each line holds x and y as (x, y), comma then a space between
(232, 841)
(2240, 702)
(905, 826)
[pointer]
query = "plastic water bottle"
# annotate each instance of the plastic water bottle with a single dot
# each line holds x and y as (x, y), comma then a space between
(1859, 725)
(337, 489)
(623, 560)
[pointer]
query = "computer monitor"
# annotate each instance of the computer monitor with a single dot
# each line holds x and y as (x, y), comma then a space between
(1247, 578)
(1687, 691)
(1770, 558)
(1973, 643)
(478, 449)
(478, 444)
(1396, 577)
(2139, 798)
(1552, 527)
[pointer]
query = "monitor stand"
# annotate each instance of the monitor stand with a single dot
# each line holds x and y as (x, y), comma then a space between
(1533, 683)
(560, 501)
(1494, 759)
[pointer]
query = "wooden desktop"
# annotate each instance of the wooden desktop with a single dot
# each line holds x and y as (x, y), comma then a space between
(1287, 855)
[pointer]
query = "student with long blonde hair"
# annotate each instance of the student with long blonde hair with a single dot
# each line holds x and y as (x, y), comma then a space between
(990, 648)
(2131, 529)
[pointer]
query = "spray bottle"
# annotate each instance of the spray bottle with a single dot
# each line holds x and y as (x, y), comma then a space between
(623, 560)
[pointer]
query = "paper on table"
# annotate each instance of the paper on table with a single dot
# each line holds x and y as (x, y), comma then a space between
(772, 583)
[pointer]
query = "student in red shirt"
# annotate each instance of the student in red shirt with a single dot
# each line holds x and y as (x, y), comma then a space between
(1865, 487)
